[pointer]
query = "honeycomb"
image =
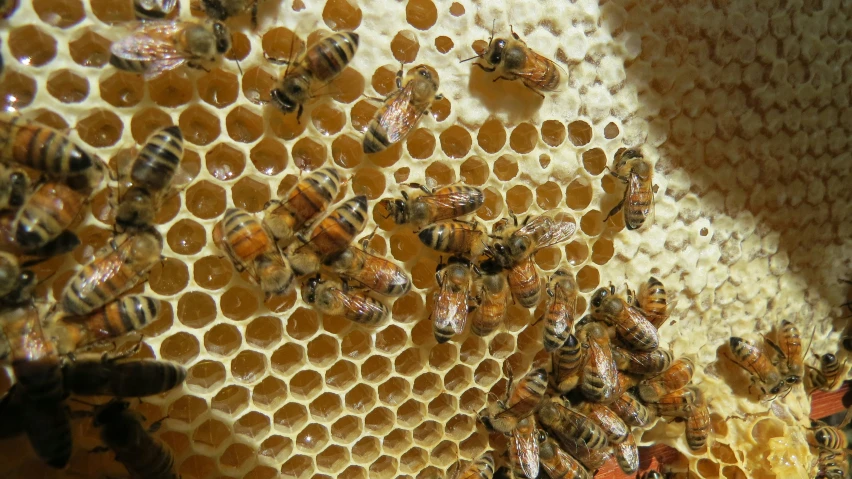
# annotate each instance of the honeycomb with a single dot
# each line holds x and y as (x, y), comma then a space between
(743, 107)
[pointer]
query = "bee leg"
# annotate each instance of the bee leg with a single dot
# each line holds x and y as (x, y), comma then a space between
(534, 90)
(615, 210)
(299, 114)
(489, 70)
(399, 78)
(275, 61)
(155, 426)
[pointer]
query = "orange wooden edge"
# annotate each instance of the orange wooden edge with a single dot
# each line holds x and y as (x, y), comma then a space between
(823, 404)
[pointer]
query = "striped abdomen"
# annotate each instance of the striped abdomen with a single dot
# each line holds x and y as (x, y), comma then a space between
(639, 197)
(130, 313)
(614, 428)
(144, 378)
(48, 212)
(752, 359)
(41, 148)
(674, 378)
(525, 283)
(310, 197)
(559, 318)
(678, 404)
(451, 237)
(539, 72)
(243, 236)
(653, 301)
(698, 427)
(636, 331)
(573, 425)
(559, 464)
(337, 230)
(567, 362)
(627, 455)
(48, 427)
(132, 66)
(493, 305)
(632, 411)
(155, 166)
(359, 307)
(527, 394)
(137, 450)
(375, 273)
(599, 378)
(329, 56)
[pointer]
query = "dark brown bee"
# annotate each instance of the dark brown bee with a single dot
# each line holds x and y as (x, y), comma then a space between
(53, 154)
(645, 363)
(630, 325)
(653, 301)
(492, 294)
(755, 362)
(680, 403)
(632, 411)
(829, 373)
(114, 270)
(105, 376)
(599, 378)
(631, 168)
(523, 448)
(627, 455)
(455, 237)
(561, 309)
(134, 447)
(48, 212)
(591, 459)
(224, 9)
(516, 61)
(150, 175)
(14, 186)
(481, 468)
(444, 204)
(12, 413)
(331, 236)
(402, 109)
(373, 272)
(614, 428)
(568, 364)
(698, 424)
(522, 400)
(450, 311)
(309, 198)
(332, 298)
(566, 422)
(130, 313)
(153, 9)
(674, 378)
(318, 65)
(559, 464)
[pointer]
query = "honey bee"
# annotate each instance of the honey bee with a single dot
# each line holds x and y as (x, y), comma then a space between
(224, 9)
(244, 240)
(133, 446)
(523, 448)
(49, 211)
(38, 369)
(559, 464)
(830, 466)
(105, 376)
(599, 377)
(645, 363)
(568, 363)
(492, 294)
(652, 300)
(614, 428)
(515, 252)
(680, 403)
(455, 237)
(481, 468)
(402, 109)
(516, 61)
(672, 379)
(829, 373)
(568, 423)
(12, 277)
(449, 315)
(591, 459)
(828, 437)
(11, 413)
(130, 313)
(522, 400)
(158, 46)
(375, 273)
(752, 359)
(114, 270)
(632, 411)
(698, 424)
(789, 350)
(41, 148)
(444, 204)
(631, 168)
(559, 315)
(153, 9)
(151, 173)
(306, 200)
(627, 455)
(320, 63)
(332, 298)
(331, 236)
(631, 327)
(14, 185)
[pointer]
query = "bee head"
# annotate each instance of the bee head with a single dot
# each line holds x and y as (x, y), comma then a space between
(495, 52)
(828, 359)
(398, 211)
(599, 296)
(136, 208)
(19, 183)
(309, 290)
(223, 37)
(282, 101)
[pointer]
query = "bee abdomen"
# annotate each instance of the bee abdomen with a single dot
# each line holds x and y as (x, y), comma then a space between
(156, 164)
(376, 138)
(48, 428)
(132, 66)
(145, 378)
(146, 458)
(332, 55)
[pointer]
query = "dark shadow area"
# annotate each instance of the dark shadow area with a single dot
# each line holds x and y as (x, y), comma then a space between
(514, 99)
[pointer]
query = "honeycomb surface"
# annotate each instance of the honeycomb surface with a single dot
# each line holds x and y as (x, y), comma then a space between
(742, 106)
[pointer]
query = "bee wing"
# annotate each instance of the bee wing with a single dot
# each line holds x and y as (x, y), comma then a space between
(634, 183)
(556, 232)
(536, 69)
(152, 42)
(399, 117)
(163, 6)
(358, 303)
(452, 312)
(445, 203)
(523, 440)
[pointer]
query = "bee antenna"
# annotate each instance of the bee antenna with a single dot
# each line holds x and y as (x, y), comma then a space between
(239, 67)
(471, 58)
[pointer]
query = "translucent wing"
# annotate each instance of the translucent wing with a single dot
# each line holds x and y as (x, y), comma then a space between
(450, 309)
(149, 41)
(548, 231)
(163, 7)
(445, 203)
(359, 304)
(399, 116)
(539, 71)
(640, 192)
(107, 267)
(525, 445)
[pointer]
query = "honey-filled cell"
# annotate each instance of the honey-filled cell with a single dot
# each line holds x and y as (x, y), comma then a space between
(269, 156)
(219, 88)
(250, 195)
(122, 89)
(31, 46)
(17, 90)
(257, 83)
(171, 89)
(100, 129)
(404, 46)
(346, 151)
(89, 50)
(68, 87)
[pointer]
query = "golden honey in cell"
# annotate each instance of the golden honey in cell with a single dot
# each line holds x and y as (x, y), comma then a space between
(308, 199)
(332, 298)
(672, 379)
(317, 66)
(14, 186)
(368, 270)
(788, 346)
(455, 237)
(331, 236)
(599, 377)
(130, 313)
(402, 109)
(627, 455)
(632, 411)
(523, 448)
(644, 363)
(559, 464)
(614, 428)
(433, 206)
(561, 309)
(631, 327)
(451, 307)
(150, 175)
(161, 45)
(224, 9)
(698, 425)
(145, 10)
(133, 446)
(116, 377)
(652, 300)
(123, 264)
(568, 364)
(492, 296)
(570, 425)
(631, 168)
(522, 400)
(244, 240)
(680, 403)
(513, 60)
(29, 144)
(481, 468)
(49, 211)
(753, 360)
(38, 371)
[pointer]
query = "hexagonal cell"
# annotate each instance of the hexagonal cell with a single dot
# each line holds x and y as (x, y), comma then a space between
(243, 125)
(288, 358)
(592, 223)
(199, 125)
(149, 120)
(411, 413)
(549, 195)
(248, 366)
(276, 447)
(391, 339)
(312, 438)
(222, 339)
(269, 392)
(333, 459)
(385, 467)
(505, 168)
(205, 200)
(308, 155)
(356, 345)
(186, 237)
(231, 399)
(487, 373)
(519, 199)
(111, 12)
(421, 14)
(588, 278)
(187, 409)
(305, 384)
(611, 131)
(180, 347)
(397, 441)
(440, 174)
(67, 87)
(196, 309)
(290, 418)
(346, 429)
(404, 46)
(298, 467)
(264, 331)
(212, 272)
(31, 46)
(269, 156)
(455, 142)
(326, 407)
(379, 420)
(458, 378)
(523, 138)
(347, 87)
(341, 15)
(236, 455)
(90, 50)
(17, 91)
(323, 350)
(168, 277)
(443, 356)
(368, 181)
(328, 119)
(553, 132)
(376, 368)
(474, 171)
(256, 85)
(594, 161)
(443, 44)
(579, 132)
(225, 162)
(253, 424)
(472, 400)
(346, 152)
(578, 195)
(341, 375)
(360, 399)
(302, 324)
(409, 362)
(280, 42)
(414, 460)
(427, 385)
(101, 128)
(218, 88)
(365, 450)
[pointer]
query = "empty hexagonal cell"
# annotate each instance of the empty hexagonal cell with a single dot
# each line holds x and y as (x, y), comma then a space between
(256, 85)
(442, 407)
(592, 223)
(523, 138)
(323, 350)
(376, 368)
(333, 459)
(474, 171)
(67, 87)
(505, 168)
(602, 251)
(222, 339)
(409, 362)
(248, 366)
(18, 90)
(366, 450)
(171, 89)
(346, 429)
(379, 420)
(236, 455)
(356, 344)
(231, 399)
(347, 87)
(420, 144)
(180, 347)
(244, 125)
(396, 441)
(578, 195)
(576, 252)
(290, 418)
(413, 460)
(458, 378)
(111, 12)
(487, 373)
(305, 384)
(288, 358)
(302, 324)
(205, 200)
(472, 400)
(269, 392)
(579, 132)
(588, 278)
(391, 339)
(326, 407)
(312, 438)
(196, 309)
(455, 142)
(427, 385)
(341, 375)
(298, 467)
(90, 50)
(252, 424)
(276, 447)
(443, 356)
(100, 128)
(31, 46)
(360, 399)
(393, 391)
(385, 467)
(205, 375)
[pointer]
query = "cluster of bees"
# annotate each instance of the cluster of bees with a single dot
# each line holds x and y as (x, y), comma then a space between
(608, 378)
(830, 445)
